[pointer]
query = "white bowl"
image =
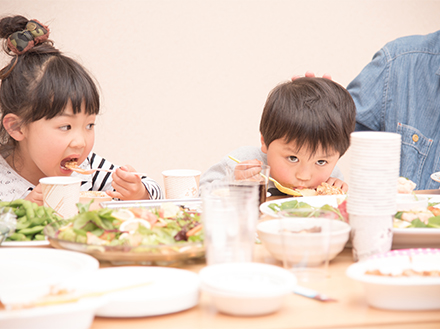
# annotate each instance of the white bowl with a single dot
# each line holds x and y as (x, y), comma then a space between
(399, 293)
(247, 289)
(78, 315)
(97, 196)
(408, 202)
(270, 235)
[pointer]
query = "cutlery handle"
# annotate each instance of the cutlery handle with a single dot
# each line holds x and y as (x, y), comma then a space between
(112, 171)
(237, 161)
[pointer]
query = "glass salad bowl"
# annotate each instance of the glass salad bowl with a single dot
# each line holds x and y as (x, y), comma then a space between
(122, 234)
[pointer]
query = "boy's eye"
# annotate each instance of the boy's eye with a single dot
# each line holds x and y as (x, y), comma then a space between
(65, 127)
(90, 126)
(321, 162)
(293, 159)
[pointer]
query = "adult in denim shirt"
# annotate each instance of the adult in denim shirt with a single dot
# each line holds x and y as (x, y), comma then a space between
(399, 91)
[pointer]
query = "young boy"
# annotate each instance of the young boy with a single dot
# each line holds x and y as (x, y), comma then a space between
(305, 128)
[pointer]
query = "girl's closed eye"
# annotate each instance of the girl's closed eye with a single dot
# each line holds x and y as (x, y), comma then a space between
(321, 162)
(293, 159)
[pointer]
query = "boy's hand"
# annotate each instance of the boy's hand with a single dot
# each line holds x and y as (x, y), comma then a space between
(338, 183)
(36, 195)
(247, 169)
(128, 186)
(310, 74)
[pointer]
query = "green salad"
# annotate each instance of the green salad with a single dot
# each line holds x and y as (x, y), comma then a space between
(165, 225)
(310, 211)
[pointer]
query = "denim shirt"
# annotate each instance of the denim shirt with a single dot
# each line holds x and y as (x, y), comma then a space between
(399, 91)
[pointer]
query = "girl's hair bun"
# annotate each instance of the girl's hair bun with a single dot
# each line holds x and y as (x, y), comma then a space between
(22, 34)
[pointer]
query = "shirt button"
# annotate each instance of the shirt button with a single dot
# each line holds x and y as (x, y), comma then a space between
(415, 138)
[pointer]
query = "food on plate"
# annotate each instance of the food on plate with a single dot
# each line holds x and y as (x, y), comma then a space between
(405, 186)
(308, 210)
(314, 229)
(133, 227)
(31, 219)
(323, 189)
(326, 189)
(422, 265)
(427, 218)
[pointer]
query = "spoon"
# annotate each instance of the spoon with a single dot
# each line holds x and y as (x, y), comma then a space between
(79, 170)
(279, 186)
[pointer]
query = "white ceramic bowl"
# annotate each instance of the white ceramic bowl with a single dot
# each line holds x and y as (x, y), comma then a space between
(408, 202)
(247, 289)
(397, 292)
(270, 235)
(78, 315)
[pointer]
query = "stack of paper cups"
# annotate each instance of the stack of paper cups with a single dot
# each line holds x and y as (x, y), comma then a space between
(371, 201)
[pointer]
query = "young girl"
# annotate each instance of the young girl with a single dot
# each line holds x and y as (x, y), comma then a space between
(49, 105)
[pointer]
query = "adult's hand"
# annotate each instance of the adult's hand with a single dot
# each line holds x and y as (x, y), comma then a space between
(310, 74)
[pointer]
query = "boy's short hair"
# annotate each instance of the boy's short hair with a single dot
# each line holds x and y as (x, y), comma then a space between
(313, 112)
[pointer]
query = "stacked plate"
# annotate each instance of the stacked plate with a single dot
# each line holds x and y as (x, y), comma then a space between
(371, 202)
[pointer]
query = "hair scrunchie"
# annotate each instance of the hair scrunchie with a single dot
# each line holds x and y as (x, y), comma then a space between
(21, 41)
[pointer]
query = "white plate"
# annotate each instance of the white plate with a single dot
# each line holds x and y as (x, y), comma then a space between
(154, 290)
(316, 201)
(435, 176)
(29, 272)
(406, 238)
(25, 243)
(403, 238)
(399, 293)
(77, 315)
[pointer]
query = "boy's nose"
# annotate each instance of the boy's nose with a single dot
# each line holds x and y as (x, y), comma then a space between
(303, 174)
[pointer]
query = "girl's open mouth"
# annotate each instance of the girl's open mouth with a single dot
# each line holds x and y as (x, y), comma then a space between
(66, 163)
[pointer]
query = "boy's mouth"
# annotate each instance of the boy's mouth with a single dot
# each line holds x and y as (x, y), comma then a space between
(66, 163)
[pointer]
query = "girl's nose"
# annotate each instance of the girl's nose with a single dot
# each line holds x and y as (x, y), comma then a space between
(78, 141)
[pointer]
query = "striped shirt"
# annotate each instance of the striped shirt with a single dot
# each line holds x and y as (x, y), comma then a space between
(13, 186)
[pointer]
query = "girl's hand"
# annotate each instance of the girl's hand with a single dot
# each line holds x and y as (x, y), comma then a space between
(36, 195)
(338, 183)
(247, 169)
(127, 186)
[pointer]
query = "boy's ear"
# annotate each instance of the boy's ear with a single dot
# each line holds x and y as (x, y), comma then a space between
(263, 145)
(12, 124)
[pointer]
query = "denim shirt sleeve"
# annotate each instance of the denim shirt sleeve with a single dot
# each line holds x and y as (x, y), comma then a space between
(368, 90)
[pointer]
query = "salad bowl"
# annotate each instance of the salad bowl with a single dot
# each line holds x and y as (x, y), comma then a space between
(157, 245)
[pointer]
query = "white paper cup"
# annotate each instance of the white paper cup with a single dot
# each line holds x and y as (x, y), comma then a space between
(61, 193)
(370, 235)
(181, 183)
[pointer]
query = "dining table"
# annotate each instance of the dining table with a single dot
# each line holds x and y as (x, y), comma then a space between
(350, 310)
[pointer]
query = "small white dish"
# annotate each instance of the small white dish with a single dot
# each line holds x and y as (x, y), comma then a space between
(247, 289)
(399, 292)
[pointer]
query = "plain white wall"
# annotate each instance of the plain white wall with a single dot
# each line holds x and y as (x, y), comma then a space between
(183, 82)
